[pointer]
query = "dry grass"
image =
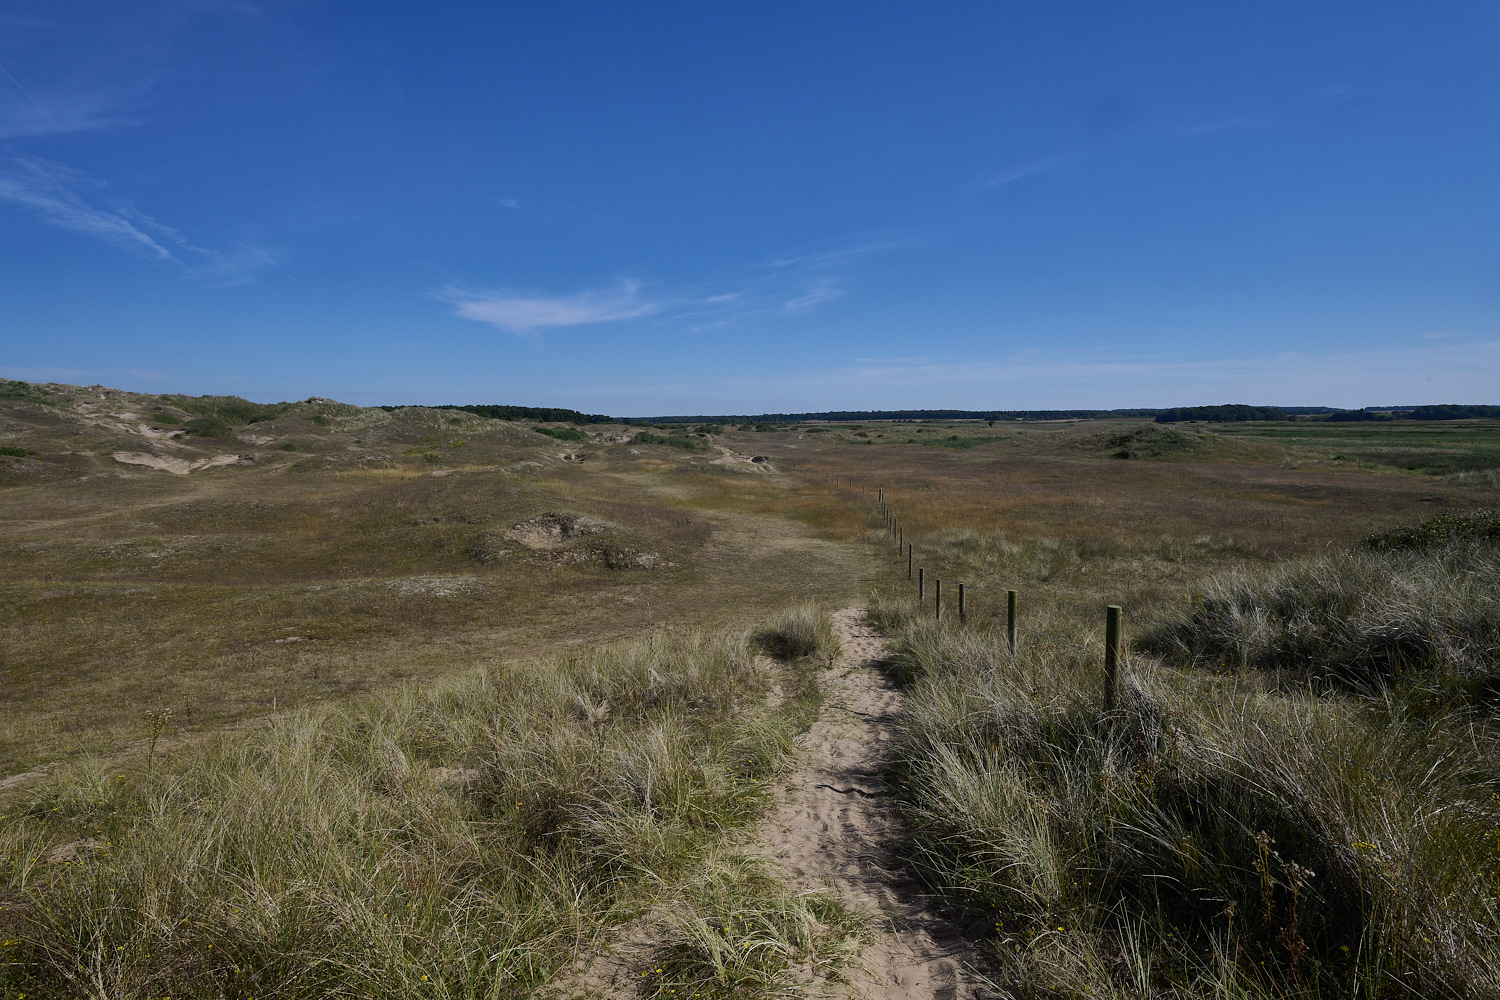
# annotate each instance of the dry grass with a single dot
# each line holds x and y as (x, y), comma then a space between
(1228, 835)
(233, 592)
(1177, 846)
(455, 840)
(464, 836)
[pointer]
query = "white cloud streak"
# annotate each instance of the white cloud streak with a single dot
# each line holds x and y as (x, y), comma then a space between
(55, 194)
(1016, 172)
(782, 287)
(1226, 125)
(527, 313)
(819, 291)
(48, 190)
(75, 66)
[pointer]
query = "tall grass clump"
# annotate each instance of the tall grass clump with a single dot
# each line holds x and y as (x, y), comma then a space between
(1208, 837)
(1416, 605)
(746, 935)
(452, 841)
(802, 632)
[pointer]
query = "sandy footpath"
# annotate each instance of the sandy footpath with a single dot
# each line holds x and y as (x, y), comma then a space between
(835, 830)
(837, 825)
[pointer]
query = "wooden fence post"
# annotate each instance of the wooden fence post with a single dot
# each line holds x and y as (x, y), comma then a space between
(1010, 620)
(1111, 653)
(909, 560)
(937, 603)
(962, 618)
(921, 585)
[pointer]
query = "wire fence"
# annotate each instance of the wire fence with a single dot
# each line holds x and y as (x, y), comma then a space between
(1112, 651)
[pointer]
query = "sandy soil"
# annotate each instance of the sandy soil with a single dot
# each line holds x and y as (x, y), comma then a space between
(837, 826)
(176, 466)
(835, 830)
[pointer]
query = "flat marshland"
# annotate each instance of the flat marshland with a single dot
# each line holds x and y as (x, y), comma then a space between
(320, 700)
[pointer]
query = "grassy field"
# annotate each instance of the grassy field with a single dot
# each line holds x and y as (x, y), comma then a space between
(1297, 790)
(421, 703)
(459, 840)
(374, 553)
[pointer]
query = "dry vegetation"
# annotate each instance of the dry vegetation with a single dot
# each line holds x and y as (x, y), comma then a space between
(1296, 792)
(457, 840)
(301, 738)
(375, 552)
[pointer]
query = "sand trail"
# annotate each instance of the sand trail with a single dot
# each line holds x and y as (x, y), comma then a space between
(836, 831)
(837, 826)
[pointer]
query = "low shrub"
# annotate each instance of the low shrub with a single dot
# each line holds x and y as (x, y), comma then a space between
(1476, 526)
(563, 433)
(28, 392)
(213, 427)
(671, 441)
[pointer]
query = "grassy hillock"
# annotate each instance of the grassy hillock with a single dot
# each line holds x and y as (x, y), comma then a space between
(454, 840)
(1417, 605)
(1179, 444)
(1293, 794)
(1211, 836)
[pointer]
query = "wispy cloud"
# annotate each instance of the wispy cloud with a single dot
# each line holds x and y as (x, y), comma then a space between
(72, 200)
(1226, 125)
(819, 291)
(837, 256)
(76, 66)
(50, 191)
(527, 313)
(782, 287)
(1016, 172)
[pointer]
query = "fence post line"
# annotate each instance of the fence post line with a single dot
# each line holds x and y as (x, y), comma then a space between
(1010, 620)
(1111, 653)
(921, 585)
(937, 603)
(961, 616)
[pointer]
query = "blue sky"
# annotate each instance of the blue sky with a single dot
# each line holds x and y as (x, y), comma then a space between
(709, 207)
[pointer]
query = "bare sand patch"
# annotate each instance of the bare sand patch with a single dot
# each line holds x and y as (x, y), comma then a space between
(176, 466)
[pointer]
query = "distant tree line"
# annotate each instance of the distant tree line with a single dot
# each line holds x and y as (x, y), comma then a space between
(854, 416)
(1441, 411)
(1227, 412)
(551, 414)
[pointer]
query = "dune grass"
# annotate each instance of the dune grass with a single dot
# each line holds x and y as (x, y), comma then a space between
(458, 839)
(746, 935)
(1214, 835)
(796, 633)
(1357, 619)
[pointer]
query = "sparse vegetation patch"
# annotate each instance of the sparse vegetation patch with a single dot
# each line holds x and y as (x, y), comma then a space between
(672, 441)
